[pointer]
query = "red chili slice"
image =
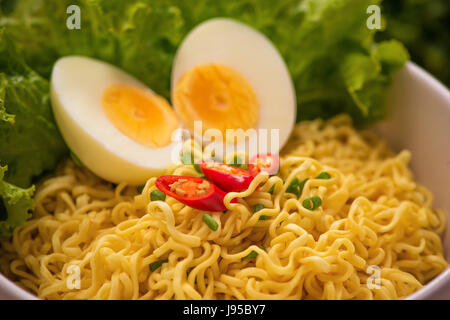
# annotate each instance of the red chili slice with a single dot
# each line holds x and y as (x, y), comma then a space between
(226, 177)
(194, 192)
(264, 162)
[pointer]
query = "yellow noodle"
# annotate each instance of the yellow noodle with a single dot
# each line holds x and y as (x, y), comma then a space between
(373, 214)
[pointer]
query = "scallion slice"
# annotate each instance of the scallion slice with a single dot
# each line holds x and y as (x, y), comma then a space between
(323, 175)
(296, 187)
(155, 265)
(258, 207)
(253, 254)
(156, 195)
(210, 222)
(312, 203)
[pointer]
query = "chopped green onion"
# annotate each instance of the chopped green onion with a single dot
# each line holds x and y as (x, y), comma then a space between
(210, 222)
(312, 203)
(296, 187)
(293, 187)
(302, 185)
(323, 175)
(197, 168)
(272, 189)
(157, 195)
(75, 159)
(253, 254)
(258, 207)
(140, 188)
(155, 265)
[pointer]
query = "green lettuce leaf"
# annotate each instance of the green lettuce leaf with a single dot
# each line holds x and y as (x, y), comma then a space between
(30, 142)
(15, 205)
(331, 55)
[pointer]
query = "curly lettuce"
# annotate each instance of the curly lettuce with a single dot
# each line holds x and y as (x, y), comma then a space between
(15, 205)
(331, 55)
(30, 142)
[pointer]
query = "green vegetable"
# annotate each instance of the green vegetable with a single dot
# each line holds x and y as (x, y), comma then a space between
(155, 265)
(210, 222)
(272, 189)
(15, 204)
(296, 187)
(312, 203)
(323, 175)
(301, 185)
(253, 253)
(197, 168)
(140, 188)
(156, 195)
(257, 207)
(30, 142)
(75, 159)
(293, 187)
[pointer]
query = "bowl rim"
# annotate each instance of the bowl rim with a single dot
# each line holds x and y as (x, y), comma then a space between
(438, 284)
(11, 291)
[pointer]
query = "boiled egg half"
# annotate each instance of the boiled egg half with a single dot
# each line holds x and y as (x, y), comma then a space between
(119, 128)
(229, 76)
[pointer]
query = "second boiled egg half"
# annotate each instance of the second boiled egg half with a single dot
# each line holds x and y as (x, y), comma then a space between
(230, 76)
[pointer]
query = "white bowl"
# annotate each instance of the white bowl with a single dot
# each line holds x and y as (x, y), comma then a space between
(420, 122)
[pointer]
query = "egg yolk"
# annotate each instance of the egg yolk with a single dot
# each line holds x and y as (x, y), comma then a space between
(139, 114)
(218, 96)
